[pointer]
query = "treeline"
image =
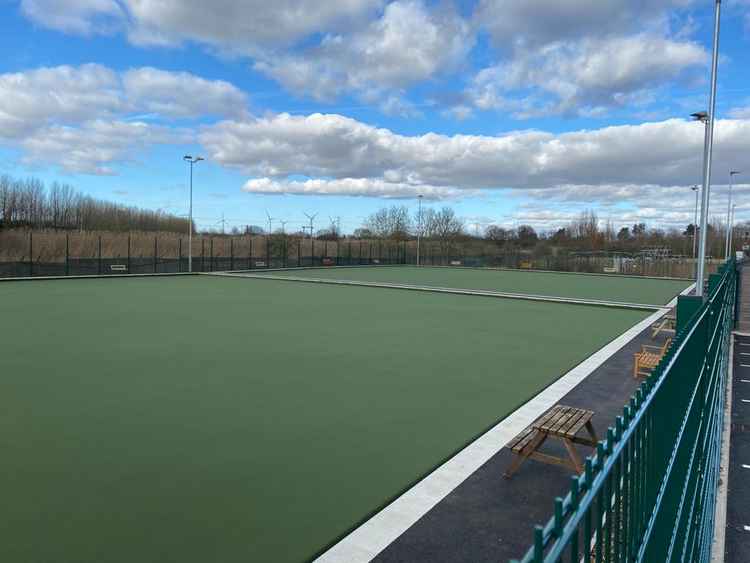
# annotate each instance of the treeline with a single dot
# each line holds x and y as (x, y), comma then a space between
(28, 203)
(587, 233)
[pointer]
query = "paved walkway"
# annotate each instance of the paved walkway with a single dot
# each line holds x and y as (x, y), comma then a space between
(737, 543)
(490, 519)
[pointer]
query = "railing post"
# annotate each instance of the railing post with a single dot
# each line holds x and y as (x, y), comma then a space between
(67, 254)
(31, 254)
(156, 252)
(179, 254)
(99, 261)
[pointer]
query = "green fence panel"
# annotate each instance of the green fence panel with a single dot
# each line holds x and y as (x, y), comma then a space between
(649, 492)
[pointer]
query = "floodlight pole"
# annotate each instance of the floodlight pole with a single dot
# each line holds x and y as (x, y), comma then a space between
(731, 228)
(695, 219)
(419, 225)
(191, 160)
(707, 155)
(727, 247)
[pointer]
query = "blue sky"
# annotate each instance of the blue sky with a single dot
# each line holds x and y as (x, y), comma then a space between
(509, 112)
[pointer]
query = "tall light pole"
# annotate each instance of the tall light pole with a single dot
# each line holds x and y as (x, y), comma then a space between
(695, 220)
(731, 227)
(191, 160)
(419, 225)
(732, 173)
(708, 154)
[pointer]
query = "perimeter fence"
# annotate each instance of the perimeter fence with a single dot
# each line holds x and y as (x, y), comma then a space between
(56, 253)
(648, 494)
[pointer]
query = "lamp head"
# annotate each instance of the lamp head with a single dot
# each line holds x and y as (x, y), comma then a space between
(700, 116)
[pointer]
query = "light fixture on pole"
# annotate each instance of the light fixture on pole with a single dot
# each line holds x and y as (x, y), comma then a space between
(419, 225)
(727, 247)
(695, 219)
(708, 153)
(191, 160)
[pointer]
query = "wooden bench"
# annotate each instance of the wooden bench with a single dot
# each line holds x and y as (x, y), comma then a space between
(645, 361)
(667, 323)
(559, 422)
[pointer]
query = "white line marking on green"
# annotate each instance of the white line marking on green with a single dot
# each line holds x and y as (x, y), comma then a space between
(369, 539)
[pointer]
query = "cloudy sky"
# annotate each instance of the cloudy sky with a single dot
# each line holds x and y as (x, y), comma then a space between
(512, 112)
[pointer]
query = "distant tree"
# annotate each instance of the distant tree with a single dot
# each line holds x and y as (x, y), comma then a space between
(254, 230)
(623, 234)
(527, 235)
(560, 236)
(496, 234)
(363, 233)
(689, 230)
(639, 230)
(390, 222)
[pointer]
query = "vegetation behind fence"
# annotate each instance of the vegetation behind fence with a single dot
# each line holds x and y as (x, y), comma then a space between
(649, 492)
(44, 253)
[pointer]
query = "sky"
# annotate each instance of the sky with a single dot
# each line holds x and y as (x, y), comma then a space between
(510, 112)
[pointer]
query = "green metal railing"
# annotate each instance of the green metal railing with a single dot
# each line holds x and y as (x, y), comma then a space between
(649, 492)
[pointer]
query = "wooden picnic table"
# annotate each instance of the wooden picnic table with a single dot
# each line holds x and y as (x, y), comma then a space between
(560, 422)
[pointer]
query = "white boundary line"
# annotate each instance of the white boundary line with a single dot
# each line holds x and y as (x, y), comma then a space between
(373, 536)
(481, 268)
(436, 289)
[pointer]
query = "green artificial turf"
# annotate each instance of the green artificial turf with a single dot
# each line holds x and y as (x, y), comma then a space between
(583, 286)
(199, 419)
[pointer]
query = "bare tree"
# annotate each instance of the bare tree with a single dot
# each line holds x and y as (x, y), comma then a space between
(390, 222)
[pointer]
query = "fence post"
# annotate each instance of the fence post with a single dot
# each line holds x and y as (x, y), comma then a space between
(231, 254)
(179, 254)
(250, 256)
(67, 254)
(156, 252)
(128, 253)
(299, 252)
(268, 253)
(203, 254)
(211, 259)
(31, 254)
(99, 261)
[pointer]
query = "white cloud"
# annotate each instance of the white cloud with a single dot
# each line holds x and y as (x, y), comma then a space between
(664, 153)
(74, 16)
(408, 44)
(181, 94)
(226, 24)
(64, 94)
(94, 146)
(586, 76)
(740, 112)
(534, 23)
(86, 118)
(364, 187)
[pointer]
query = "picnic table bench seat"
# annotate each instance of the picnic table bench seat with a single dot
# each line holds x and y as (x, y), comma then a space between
(561, 422)
(645, 361)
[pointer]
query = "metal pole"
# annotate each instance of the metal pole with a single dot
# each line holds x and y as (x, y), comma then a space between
(707, 155)
(190, 223)
(731, 230)
(729, 215)
(419, 226)
(695, 220)
(729, 218)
